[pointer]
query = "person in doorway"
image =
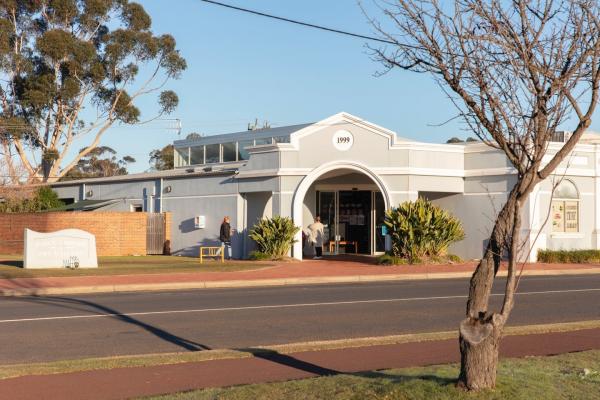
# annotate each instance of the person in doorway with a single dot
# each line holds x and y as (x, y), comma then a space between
(225, 237)
(316, 236)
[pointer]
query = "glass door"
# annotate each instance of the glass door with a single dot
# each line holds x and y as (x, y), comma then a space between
(327, 206)
(378, 225)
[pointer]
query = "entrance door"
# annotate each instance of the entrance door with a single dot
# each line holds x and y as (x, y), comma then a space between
(354, 227)
(353, 221)
(327, 205)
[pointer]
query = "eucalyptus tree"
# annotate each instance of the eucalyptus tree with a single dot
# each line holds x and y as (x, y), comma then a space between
(69, 70)
(517, 71)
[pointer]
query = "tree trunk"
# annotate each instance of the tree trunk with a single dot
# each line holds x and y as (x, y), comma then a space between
(479, 345)
(480, 331)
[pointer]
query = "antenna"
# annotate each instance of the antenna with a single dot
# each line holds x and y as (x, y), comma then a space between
(175, 124)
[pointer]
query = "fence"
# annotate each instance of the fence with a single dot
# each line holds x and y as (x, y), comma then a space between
(117, 233)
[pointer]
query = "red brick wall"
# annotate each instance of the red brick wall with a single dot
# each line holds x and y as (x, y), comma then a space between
(117, 233)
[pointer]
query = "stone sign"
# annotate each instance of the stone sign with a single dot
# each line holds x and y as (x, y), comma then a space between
(67, 248)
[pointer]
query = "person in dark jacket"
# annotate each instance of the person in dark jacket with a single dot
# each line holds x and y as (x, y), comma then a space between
(225, 237)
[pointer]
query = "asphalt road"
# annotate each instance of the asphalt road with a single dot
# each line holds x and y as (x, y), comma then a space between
(51, 328)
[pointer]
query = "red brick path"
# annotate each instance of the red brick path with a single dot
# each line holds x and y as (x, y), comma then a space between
(123, 383)
(319, 270)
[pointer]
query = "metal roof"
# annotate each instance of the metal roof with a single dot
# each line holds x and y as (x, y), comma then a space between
(244, 135)
(199, 170)
(86, 205)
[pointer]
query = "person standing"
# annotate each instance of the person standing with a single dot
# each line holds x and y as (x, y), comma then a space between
(317, 236)
(225, 237)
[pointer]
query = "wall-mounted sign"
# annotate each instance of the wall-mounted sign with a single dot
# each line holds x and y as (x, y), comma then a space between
(200, 222)
(343, 140)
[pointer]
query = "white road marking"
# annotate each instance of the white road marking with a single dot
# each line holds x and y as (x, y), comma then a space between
(266, 307)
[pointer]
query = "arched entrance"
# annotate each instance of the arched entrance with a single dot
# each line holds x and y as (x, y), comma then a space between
(322, 171)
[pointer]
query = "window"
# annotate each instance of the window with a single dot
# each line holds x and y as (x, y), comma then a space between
(136, 208)
(182, 157)
(213, 153)
(229, 152)
(262, 141)
(242, 152)
(281, 139)
(565, 208)
(197, 155)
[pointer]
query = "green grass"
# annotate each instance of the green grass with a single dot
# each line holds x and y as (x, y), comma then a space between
(11, 266)
(569, 376)
(569, 256)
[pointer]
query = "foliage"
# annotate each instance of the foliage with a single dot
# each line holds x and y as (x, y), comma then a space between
(162, 159)
(258, 256)
(193, 136)
(389, 259)
(274, 236)
(454, 139)
(421, 229)
(100, 162)
(568, 256)
(43, 199)
(63, 56)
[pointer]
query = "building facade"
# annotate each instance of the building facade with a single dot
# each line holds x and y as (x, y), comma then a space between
(349, 171)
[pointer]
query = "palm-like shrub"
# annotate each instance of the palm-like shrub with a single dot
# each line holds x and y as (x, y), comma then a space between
(420, 228)
(274, 236)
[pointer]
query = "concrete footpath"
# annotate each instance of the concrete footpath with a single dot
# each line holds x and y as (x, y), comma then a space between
(288, 273)
(123, 383)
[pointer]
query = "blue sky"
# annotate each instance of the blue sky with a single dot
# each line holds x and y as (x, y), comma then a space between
(242, 67)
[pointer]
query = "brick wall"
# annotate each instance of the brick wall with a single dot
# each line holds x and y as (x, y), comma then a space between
(117, 233)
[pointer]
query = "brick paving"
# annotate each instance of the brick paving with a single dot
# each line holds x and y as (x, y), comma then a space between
(314, 271)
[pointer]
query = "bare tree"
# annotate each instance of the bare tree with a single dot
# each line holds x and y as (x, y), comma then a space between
(517, 71)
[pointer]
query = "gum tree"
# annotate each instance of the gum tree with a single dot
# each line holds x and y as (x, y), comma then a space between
(69, 70)
(517, 71)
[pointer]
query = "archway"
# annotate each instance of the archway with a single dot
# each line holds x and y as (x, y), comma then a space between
(312, 177)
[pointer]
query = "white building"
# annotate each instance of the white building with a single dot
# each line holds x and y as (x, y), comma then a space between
(348, 171)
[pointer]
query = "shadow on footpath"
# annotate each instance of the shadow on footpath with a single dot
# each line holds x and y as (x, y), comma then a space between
(85, 305)
(289, 361)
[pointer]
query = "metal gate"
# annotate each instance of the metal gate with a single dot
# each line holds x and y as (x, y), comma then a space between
(155, 233)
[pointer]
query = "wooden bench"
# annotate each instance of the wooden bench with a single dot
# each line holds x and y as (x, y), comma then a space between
(212, 251)
(343, 243)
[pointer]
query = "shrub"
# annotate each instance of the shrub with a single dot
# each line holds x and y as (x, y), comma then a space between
(454, 258)
(421, 229)
(568, 256)
(274, 236)
(42, 199)
(258, 256)
(387, 259)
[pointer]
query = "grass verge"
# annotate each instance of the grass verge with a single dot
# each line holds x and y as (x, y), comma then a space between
(568, 376)
(12, 266)
(56, 367)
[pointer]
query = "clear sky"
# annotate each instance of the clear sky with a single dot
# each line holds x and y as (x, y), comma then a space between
(242, 67)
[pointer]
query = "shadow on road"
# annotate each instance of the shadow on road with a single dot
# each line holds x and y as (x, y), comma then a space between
(287, 360)
(85, 305)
